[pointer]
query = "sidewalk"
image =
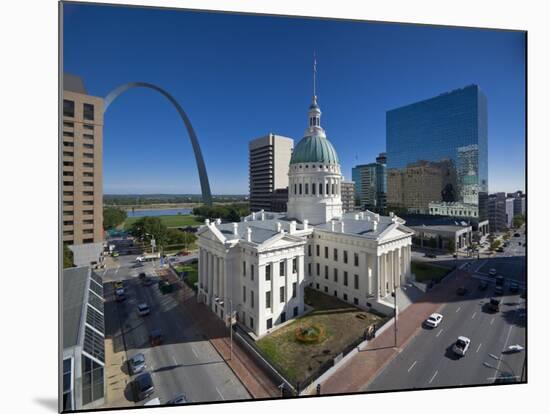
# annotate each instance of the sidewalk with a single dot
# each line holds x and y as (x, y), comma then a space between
(358, 372)
(257, 383)
(115, 378)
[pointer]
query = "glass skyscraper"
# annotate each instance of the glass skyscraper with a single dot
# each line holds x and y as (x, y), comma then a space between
(437, 154)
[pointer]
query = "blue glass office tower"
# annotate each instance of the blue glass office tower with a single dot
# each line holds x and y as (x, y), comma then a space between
(437, 152)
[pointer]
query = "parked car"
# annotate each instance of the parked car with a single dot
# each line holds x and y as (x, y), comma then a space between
(115, 254)
(500, 250)
(180, 399)
(514, 287)
(499, 290)
(143, 386)
(433, 320)
(494, 304)
(430, 255)
(483, 285)
(461, 345)
(143, 309)
(461, 291)
(142, 276)
(136, 364)
(499, 280)
(516, 234)
(120, 294)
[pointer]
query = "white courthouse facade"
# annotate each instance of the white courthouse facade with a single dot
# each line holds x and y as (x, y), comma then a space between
(258, 268)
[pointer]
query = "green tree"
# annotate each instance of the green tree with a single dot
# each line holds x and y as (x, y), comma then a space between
(517, 221)
(147, 228)
(113, 217)
(494, 245)
(67, 257)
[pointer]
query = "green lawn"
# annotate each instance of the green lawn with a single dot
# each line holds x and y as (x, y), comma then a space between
(343, 324)
(425, 272)
(180, 220)
(192, 273)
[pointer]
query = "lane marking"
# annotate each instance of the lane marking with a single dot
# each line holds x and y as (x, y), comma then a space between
(439, 333)
(492, 320)
(412, 366)
(174, 358)
(194, 353)
(435, 374)
(479, 346)
(458, 310)
(219, 393)
(474, 315)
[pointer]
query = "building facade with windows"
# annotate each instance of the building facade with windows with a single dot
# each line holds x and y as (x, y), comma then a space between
(82, 171)
(257, 270)
(83, 339)
(268, 167)
(371, 184)
(348, 196)
(439, 146)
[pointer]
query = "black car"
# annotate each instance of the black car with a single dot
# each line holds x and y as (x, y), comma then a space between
(494, 305)
(500, 250)
(143, 386)
(483, 285)
(430, 255)
(514, 287)
(499, 290)
(461, 291)
(516, 234)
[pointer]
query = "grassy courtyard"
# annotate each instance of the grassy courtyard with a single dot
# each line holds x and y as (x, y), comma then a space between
(425, 272)
(341, 324)
(178, 220)
(192, 273)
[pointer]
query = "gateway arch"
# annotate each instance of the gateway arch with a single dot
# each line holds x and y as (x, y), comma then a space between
(203, 176)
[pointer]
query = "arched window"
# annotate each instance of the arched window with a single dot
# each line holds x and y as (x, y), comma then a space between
(313, 188)
(327, 192)
(320, 188)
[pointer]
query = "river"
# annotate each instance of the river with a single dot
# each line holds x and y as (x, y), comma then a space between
(159, 212)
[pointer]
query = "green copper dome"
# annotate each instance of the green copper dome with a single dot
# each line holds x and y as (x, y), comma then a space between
(314, 149)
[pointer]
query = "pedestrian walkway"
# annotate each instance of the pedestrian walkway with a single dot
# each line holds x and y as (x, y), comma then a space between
(254, 379)
(116, 379)
(359, 371)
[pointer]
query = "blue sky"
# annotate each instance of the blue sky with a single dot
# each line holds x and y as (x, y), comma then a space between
(239, 77)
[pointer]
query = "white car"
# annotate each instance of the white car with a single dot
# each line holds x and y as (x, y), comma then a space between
(492, 272)
(143, 309)
(461, 345)
(433, 320)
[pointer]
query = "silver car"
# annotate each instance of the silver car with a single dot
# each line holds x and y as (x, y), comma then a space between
(137, 364)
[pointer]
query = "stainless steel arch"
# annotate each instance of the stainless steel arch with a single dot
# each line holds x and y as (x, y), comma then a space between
(203, 176)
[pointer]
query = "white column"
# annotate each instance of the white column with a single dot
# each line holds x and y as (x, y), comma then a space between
(300, 284)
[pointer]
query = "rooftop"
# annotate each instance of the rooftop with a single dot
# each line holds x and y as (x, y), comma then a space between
(73, 83)
(75, 281)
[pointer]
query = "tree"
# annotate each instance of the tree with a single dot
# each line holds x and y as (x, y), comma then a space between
(451, 246)
(67, 257)
(518, 221)
(494, 245)
(112, 217)
(147, 228)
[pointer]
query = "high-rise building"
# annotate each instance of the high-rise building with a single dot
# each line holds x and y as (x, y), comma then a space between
(348, 195)
(371, 183)
(497, 212)
(82, 176)
(450, 128)
(269, 158)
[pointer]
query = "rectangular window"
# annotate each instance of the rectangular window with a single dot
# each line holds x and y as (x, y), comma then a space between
(356, 259)
(326, 252)
(326, 272)
(306, 188)
(88, 241)
(283, 317)
(68, 108)
(281, 268)
(68, 124)
(326, 192)
(244, 294)
(88, 193)
(251, 322)
(313, 189)
(317, 285)
(251, 272)
(68, 164)
(268, 272)
(309, 269)
(326, 289)
(88, 212)
(68, 144)
(318, 269)
(244, 268)
(269, 323)
(336, 293)
(336, 275)
(68, 183)
(88, 165)
(320, 189)
(88, 222)
(295, 311)
(300, 188)
(335, 255)
(88, 146)
(294, 285)
(88, 112)
(356, 281)
(355, 301)
(87, 126)
(268, 299)
(252, 299)
(88, 155)
(68, 134)
(317, 248)
(345, 256)
(345, 278)
(282, 294)
(345, 296)
(68, 223)
(294, 270)
(88, 136)
(309, 250)
(68, 173)
(67, 153)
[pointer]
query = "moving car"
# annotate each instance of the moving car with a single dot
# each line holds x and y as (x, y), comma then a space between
(433, 320)
(180, 399)
(461, 345)
(143, 386)
(136, 364)
(494, 305)
(492, 272)
(155, 337)
(143, 309)
(430, 255)
(514, 287)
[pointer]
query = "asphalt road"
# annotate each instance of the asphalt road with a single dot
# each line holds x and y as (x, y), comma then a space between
(185, 363)
(428, 361)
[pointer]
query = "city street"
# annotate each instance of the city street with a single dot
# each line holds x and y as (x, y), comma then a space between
(428, 361)
(185, 363)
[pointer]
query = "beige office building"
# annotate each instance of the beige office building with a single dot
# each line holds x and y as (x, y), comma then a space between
(82, 177)
(347, 189)
(269, 158)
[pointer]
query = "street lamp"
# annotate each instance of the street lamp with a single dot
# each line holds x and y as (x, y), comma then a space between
(220, 302)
